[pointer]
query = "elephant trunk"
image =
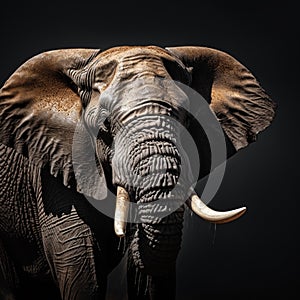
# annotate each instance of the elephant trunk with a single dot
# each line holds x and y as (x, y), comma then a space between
(148, 164)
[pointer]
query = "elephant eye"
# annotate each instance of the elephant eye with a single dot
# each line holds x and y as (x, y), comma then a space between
(104, 132)
(103, 120)
(106, 123)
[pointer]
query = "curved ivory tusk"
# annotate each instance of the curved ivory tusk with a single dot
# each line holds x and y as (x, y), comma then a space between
(208, 214)
(121, 212)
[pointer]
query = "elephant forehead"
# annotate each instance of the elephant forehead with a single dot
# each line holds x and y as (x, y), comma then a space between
(125, 63)
(139, 65)
(120, 52)
(131, 53)
(144, 87)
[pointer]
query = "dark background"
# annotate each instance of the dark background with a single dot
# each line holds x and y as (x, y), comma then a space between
(258, 255)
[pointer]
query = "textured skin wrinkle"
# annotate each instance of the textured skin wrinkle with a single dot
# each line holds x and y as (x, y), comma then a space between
(156, 139)
(82, 235)
(151, 147)
(24, 101)
(19, 224)
(229, 87)
(150, 248)
(152, 161)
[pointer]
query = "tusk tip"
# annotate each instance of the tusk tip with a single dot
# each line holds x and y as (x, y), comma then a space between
(119, 230)
(211, 215)
(232, 215)
(120, 234)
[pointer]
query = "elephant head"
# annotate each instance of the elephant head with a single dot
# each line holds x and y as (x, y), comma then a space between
(130, 111)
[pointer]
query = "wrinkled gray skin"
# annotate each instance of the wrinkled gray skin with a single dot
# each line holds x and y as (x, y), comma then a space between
(49, 231)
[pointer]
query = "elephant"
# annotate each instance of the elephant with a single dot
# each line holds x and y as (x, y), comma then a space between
(82, 125)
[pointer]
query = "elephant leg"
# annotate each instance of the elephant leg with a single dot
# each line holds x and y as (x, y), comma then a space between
(70, 250)
(78, 241)
(150, 287)
(8, 277)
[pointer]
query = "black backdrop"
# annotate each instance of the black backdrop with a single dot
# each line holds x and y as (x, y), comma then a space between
(258, 254)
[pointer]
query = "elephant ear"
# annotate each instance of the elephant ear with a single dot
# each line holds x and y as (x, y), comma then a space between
(40, 111)
(235, 96)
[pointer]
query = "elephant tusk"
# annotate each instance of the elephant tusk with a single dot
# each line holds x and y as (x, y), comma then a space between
(208, 214)
(121, 212)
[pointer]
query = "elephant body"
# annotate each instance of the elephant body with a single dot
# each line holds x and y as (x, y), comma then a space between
(80, 125)
(42, 227)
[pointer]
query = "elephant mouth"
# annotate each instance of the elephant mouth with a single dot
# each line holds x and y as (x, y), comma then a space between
(193, 202)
